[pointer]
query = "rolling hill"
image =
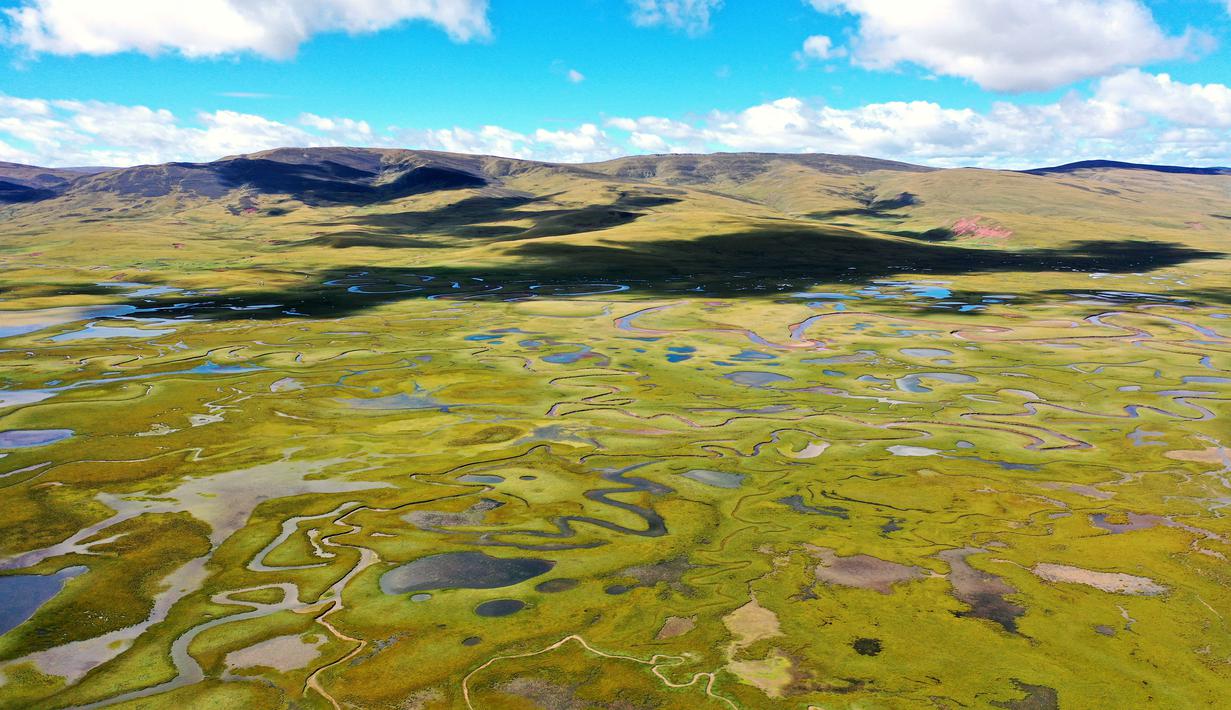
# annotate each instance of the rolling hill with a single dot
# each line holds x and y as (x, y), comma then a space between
(698, 218)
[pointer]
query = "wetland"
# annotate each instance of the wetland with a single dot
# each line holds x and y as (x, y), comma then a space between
(771, 462)
(339, 493)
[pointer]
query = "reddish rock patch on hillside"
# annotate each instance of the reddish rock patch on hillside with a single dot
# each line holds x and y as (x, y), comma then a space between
(979, 227)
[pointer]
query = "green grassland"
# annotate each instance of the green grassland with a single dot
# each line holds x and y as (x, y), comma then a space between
(791, 432)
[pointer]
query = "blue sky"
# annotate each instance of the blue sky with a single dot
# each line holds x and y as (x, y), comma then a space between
(943, 82)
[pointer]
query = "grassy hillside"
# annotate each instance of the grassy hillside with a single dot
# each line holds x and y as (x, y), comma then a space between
(647, 218)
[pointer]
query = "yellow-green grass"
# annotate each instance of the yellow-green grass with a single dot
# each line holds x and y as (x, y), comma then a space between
(1068, 418)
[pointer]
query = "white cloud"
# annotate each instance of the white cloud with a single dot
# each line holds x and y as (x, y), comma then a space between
(488, 140)
(343, 130)
(653, 134)
(818, 47)
(1115, 121)
(12, 154)
(210, 28)
(1159, 95)
(668, 127)
(920, 128)
(624, 124)
(586, 142)
(1131, 116)
(648, 142)
(575, 76)
(11, 106)
(231, 133)
(101, 133)
(1008, 45)
(690, 16)
(43, 132)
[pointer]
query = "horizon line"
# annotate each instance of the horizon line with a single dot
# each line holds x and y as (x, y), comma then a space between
(1086, 162)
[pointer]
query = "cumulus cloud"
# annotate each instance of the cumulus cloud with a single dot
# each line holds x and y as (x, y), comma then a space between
(1159, 95)
(12, 154)
(586, 142)
(921, 131)
(690, 16)
(101, 133)
(1008, 45)
(575, 76)
(344, 130)
(818, 47)
(47, 132)
(1131, 115)
(921, 128)
(488, 140)
(29, 121)
(653, 134)
(211, 28)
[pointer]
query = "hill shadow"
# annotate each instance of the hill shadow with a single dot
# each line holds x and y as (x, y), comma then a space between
(871, 207)
(936, 234)
(14, 193)
(315, 184)
(478, 218)
(329, 182)
(358, 238)
(756, 263)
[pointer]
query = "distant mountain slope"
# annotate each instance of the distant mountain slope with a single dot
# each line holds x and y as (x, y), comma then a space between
(11, 192)
(706, 168)
(312, 176)
(1117, 165)
(34, 176)
(360, 176)
(408, 206)
(30, 183)
(319, 176)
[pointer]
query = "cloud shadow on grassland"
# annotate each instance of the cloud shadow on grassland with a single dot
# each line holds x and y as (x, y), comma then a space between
(760, 262)
(478, 218)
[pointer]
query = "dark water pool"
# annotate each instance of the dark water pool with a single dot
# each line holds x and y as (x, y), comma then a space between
(22, 594)
(461, 570)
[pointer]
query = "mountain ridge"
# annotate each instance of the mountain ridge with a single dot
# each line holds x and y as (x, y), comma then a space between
(1120, 165)
(721, 221)
(360, 175)
(432, 207)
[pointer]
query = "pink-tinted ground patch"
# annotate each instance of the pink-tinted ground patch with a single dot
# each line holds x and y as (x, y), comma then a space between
(977, 227)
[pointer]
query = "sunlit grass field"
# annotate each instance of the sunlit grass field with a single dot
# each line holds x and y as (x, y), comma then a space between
(584, 440)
